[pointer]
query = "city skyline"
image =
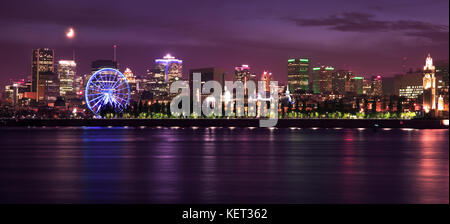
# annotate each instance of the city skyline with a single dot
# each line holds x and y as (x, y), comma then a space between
(230, 72)
(225, 111)
(334, 36)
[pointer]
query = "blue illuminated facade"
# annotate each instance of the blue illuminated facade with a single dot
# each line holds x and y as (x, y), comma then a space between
(107, 86)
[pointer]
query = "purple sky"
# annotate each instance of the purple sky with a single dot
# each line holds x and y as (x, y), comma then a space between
(369, 37)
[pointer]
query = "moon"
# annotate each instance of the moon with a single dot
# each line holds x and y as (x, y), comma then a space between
(70, 33)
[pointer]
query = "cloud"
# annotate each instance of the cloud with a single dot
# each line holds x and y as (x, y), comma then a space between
(366, 23)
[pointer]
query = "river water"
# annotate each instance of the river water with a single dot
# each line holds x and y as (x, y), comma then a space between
(223, 165)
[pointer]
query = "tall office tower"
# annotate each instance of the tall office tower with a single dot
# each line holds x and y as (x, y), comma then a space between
(298, 74)
(66, 75)
(377, 86)
(339, 80)
(367, 87)
(356, 85)
(48, 86)
(267, 77)
(79, 85)
(206, 74)
(157, 84)
(322, 79)
(172, 67)
(42, 61)
(442, 73)
(349, 81)
(132, 83)
(429, 85)
(242, 73)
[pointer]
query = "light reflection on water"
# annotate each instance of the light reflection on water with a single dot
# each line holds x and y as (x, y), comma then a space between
(222, 165)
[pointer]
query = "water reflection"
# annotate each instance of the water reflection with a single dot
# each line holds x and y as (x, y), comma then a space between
(222, 165)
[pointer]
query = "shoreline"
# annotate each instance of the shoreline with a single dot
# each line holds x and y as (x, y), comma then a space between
(235, 122)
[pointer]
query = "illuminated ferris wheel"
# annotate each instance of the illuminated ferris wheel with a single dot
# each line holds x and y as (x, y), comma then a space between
(107, 87)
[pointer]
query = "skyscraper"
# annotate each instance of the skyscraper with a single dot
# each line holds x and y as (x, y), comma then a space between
(206, 74)
(267, 77)
(42, 61)
(298, 74)
(172, 68)
(377, 86)
(242, 73)
(79, 85)
(48, 86)
(66, 75)
(349, 82)
(131, 82)
(322, 79)
(356, 85)
(367, 87)
(338, 80)
(157, 84)
(429, 85)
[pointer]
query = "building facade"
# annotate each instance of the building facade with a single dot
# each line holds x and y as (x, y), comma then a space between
(66, 75)
(242, 73)
(48, 87)
(172, 67)
(157, 84)
(132, 83)
(323, 79)
(339, 79)
(42, 62)
(267, 77)
(377, 86)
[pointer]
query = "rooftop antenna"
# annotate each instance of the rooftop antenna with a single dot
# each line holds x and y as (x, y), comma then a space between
(115, 47)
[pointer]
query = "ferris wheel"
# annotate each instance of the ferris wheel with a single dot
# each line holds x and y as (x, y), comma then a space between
(107, 86)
